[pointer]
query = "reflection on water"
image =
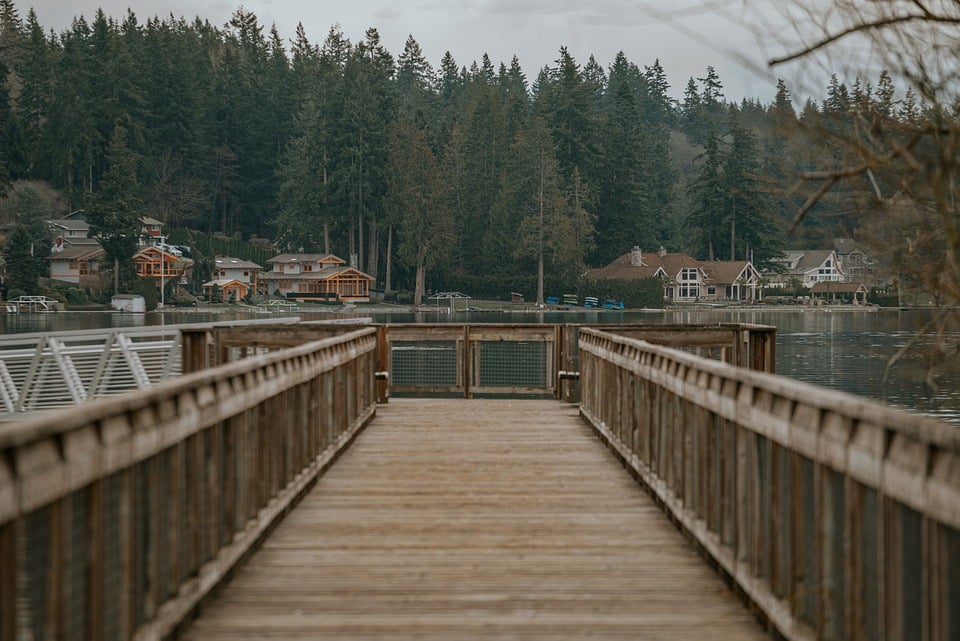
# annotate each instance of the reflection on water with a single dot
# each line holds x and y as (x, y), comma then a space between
(853, 351)
(860, 353)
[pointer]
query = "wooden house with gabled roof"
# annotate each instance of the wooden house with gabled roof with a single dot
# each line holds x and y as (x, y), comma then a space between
(685, 279)
(321, 277)
(683, 276)
(233, 279)
(77, 263)
(226, 290)
(808, 267)
(161, 265)
(850, 293)
(731, 280)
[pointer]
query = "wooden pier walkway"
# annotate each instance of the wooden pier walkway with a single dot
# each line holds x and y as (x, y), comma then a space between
(452, 519)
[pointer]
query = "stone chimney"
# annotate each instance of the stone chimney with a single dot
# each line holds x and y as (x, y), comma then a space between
(663, 251)
(636, 257)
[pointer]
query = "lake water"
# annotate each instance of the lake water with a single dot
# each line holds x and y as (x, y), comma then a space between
(853, 351)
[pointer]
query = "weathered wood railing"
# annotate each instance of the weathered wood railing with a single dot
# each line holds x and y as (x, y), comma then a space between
(837, 516)
(118, 516)
(476, 359)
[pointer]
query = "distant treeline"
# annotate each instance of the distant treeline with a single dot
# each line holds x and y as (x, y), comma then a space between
(467, 175)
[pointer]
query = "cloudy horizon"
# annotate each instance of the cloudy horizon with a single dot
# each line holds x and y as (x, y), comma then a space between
(686, 38)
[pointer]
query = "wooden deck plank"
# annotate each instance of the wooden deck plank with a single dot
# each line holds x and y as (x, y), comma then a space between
(487, 519)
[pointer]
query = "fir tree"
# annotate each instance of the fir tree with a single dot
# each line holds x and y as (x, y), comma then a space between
(114, 214)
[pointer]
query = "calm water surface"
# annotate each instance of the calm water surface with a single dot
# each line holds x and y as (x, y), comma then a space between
(852, 351)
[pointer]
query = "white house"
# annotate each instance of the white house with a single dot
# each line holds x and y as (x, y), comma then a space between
(77, 263)
(808, 266)
(731, 280)
(229, 268)
(68, 229)
(234, 278)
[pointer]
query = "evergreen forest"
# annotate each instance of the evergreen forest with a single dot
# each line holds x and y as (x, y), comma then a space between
(471, 176)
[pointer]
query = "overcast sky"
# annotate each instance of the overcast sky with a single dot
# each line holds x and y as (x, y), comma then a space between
(686, 41)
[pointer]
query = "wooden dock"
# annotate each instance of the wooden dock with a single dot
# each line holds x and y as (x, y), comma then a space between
(452, 519)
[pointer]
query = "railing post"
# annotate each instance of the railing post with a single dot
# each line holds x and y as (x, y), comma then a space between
(383, 364)
(569, 362)
(196, 353)
(467, 362)
(762, 351)
(8, 580)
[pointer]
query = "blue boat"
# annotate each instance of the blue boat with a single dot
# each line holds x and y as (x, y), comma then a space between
(612, 304)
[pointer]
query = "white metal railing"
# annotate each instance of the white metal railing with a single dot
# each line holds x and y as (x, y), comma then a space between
(66, 369)
(44, 371)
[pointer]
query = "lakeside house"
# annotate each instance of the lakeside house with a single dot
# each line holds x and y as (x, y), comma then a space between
(731, 280)
(847, 293)
(75, 257)
(161, 265)
(77, 263)
(151, 230)
(68, 229)
(685, 279)
(233, 279)
(807, 267)
(315, 277)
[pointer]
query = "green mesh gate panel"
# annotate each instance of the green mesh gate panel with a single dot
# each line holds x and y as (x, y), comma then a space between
(424, 363)
(511, 364)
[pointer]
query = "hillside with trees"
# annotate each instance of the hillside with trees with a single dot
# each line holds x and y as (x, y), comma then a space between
(473, 176)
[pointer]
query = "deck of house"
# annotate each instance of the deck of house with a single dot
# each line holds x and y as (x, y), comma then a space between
(308, 482)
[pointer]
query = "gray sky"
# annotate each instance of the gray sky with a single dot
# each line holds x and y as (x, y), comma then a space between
(686, 41)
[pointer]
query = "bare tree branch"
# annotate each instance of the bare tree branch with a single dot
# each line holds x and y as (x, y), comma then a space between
(873, 25)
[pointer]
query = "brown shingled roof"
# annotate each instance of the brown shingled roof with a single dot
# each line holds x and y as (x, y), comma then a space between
(724, 271)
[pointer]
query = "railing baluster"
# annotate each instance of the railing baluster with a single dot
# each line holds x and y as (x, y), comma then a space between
(838, 517)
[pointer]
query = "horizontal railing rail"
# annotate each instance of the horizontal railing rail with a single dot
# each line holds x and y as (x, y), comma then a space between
(480, 359)
(837, 516)
(119, 516)
(741, 344)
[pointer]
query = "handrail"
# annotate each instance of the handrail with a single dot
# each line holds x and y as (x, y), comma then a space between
(143, 503)
(837, 516)
(480, 358)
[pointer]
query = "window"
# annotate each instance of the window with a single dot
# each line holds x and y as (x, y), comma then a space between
(689, 285)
